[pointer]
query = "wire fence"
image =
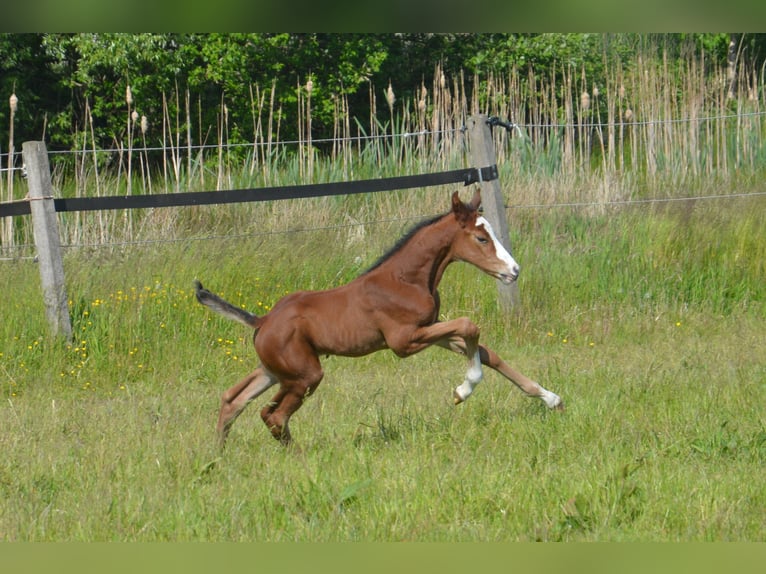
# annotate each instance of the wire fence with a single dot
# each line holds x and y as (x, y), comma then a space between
(7, 251)
(530, 126)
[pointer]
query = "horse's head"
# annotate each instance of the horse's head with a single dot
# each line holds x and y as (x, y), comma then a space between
(477, 243)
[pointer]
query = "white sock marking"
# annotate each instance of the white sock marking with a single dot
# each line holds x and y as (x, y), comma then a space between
(473, 377)
(551, 400)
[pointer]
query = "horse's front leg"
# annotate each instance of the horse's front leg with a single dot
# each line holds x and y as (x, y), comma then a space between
(473, 377)
(527, 385)
(491, 359)
(462, 329)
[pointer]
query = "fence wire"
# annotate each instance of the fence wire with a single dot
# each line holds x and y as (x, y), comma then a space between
(369, 138)
(387, 136)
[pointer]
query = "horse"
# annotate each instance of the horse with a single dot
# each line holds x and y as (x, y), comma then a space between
(393, 305)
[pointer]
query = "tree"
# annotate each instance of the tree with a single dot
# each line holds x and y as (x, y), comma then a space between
(70, 85)
(97, 69)
(25, 71)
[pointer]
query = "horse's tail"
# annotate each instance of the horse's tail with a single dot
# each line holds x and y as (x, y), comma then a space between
(225, 308)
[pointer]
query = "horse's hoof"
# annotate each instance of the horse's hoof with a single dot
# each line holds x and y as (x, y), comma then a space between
(457, 398)
(560, 407)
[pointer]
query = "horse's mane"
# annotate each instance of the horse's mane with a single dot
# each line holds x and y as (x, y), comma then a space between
(404, 239)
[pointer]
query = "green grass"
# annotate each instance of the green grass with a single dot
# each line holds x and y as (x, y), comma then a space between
(649, 322)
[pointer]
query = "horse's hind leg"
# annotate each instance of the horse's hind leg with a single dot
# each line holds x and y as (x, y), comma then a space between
(235, 399)
(276, 415)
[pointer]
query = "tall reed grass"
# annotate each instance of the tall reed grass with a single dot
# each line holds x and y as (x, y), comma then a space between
(655, 129)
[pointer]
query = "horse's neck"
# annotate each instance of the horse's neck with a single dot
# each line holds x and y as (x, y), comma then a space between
(424, 258)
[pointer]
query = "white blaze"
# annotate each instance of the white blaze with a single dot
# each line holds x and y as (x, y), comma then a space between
(500, 250)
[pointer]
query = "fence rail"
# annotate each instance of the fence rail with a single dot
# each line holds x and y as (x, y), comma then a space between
(466, 176)
(43, 207)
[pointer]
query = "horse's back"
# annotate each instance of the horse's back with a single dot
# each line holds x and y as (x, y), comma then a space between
(337, 321)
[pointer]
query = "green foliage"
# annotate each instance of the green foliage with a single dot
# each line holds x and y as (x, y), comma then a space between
(211, 69)
(70, 84)
(25, 71)
(543, 53)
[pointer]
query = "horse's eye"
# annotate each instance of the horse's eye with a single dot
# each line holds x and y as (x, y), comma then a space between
(481, 239)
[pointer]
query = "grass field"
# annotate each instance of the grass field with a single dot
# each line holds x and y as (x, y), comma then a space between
(648, 321)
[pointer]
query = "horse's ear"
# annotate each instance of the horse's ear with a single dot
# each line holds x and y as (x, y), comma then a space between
(462, 211)
(459, 208)
(457, 204)
(476, 200)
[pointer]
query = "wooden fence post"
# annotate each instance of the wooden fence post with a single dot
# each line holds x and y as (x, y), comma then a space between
(47, 241)
(483, 155)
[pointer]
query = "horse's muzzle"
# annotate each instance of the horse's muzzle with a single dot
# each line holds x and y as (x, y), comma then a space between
(507, 279)
(511, 276)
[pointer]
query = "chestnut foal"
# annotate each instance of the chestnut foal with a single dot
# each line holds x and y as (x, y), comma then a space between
(393, 305)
